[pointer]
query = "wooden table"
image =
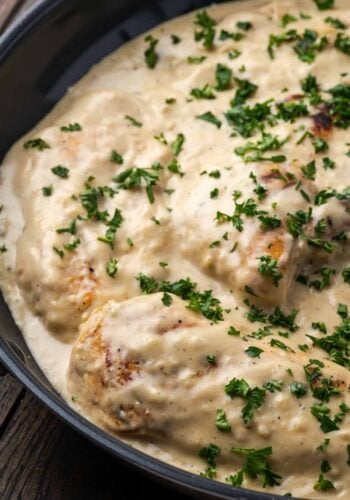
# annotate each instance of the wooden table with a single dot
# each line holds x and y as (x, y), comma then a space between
(42, 458)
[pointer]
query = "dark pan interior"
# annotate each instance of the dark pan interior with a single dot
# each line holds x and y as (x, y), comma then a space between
(48, 50)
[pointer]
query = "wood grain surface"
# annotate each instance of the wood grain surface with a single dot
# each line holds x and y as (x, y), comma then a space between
(40, 457)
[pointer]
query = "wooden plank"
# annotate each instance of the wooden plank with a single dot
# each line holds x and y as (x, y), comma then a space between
(10, 391)
(42, 458)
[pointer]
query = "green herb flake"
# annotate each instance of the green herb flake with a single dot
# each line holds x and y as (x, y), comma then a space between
(324, 4)
(196, 59)
(221, 421)
(336, 23)
(298, 389)
(323, 484)
(175, 39)
(177, 144)
(72, 127)
(287, 19)
(133, 121)
(210, 118)
(223, 77)
(116, 157)
(253, 352)
(47, 190)
(273, 385)
(150, 54)
(269, 267)
(61, 171)
(38, 144)
(167, 299)
(112, 267)
(256, 465)
(206, 33)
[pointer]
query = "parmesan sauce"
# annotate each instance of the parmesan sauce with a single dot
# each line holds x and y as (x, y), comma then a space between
(141, 113)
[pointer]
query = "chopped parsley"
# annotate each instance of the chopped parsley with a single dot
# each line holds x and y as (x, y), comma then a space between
(298, 389)
(72, 127)
(273, 385)
(150, 54)
(133, 178)
(205, 92)
(177, 145)
(269, 267)
(202, 302)
(342, 43)
(209, 454)
(254, 398)
(287, 19)
(244, 25)
(223, 77)
(38, 144)
(221, 421)
(61, 171)
(206, 33)
(133, 121)
(253, 352)
(256, 465)
(322, 413)
(346, 275)
(167, 299)
(116, 157)
(196, 59)
(323, 484)
(209, 117)
(47, 190)
(324, 4)
(336, 23)
(112, 267)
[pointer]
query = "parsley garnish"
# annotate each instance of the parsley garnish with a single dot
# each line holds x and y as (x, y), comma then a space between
(323, 484)
(269, 267)
(116, 157)
(223, 77)
(151, 56)
(221, 421)
(253, 352)
(176, 146)
(336, 23)
(225, 35)
(298, 389)
(196, 60)
(72, 127)
(47, 190)
(321, 412)
(61, 171)
(273, 385)
(342, 43)
(346, 275)
(254, 398)
(309, 170)
(167, 299)
(287, 19)
(209, 117)
(39, 144)
(324, 4)
(244, 25)
(205, 92)
(256, 465)
(202, 302)
(112, 267)
(134, 177)
(207, 32)
(133, 121)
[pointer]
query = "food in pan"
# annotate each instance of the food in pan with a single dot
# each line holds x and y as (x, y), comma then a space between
(174, 244)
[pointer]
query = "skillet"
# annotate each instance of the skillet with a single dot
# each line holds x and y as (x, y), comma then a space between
(47, 50)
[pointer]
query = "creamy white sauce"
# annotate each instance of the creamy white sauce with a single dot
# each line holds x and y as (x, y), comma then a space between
(50, 297)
